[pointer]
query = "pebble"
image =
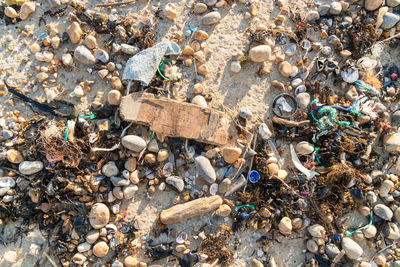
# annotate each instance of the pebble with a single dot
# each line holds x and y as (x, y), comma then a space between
(205, 169)
(84, 56)
(285, 226)
(333, 39)
(30, 167)
(200, 35)
(200, 101)
(331, 250)
(385, 188)
(297, 223)
(211, 18)
(92, 236)
(131, 261)
(162, 155)
(372, 5)
(397, 215)
(210, 2)
(245, 113)
(133, 142)
(389, 20)
(312, 246)
(134, 177)
(14, 156)
(46, 56)
(392, 231)
(129, 191)
(7, 182)
(256, 263)
(170, 11)
(351, 248)
(224, 185)
(316, 230)
(200, 8)
(392, 142)
(304, 148)
(223, 210)
(83, 247)
(102, 55)
(110, 169)
(153, 146)
(392, 3)
(117, 192)
(129, 49)
(324, 9)
(202, 69)
(335, 8)
(326, 50)
(312, 15)
(90, 41)
(100, 249)
(117, 263)
(383, 212)
(260, 53)
(303, 100)
(285, 69)
(79, 258)
(364, 210)
(74, 32)
(345, 53)
(67, 59)
(99, 216)
(396, 263)
(231, 154)
(176, 182)
(296, 82)
(380, 260)
(10, 12)
(26, 9)
(116, 83)
(370, 232)
(118, 181)
(114, 97)
(6, 134)
(235, 66)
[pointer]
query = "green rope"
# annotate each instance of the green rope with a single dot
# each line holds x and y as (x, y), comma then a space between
(66, 131)
(91, 116)
(151, 138)
(241, 206)
(369, 89)
(362, 228)
(161, 67)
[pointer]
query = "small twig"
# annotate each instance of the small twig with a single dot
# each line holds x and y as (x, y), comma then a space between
(254, 140)
(116, 4)
(390, 38)
(385, 248)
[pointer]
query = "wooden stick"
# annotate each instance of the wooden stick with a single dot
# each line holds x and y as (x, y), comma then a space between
(116, 4)
(290, 123)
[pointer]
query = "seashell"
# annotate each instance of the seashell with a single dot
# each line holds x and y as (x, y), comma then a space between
(305, 44)
(213, 189)
(101, 55)
(181, 238)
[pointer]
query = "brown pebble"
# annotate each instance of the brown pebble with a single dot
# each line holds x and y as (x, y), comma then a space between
(150, 158)
(198, 88)
(187, 51)
(114, 97)
(100, 249)
(200, 35)
(202, 69)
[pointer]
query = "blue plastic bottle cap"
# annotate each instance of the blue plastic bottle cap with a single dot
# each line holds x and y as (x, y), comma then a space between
(254, 177)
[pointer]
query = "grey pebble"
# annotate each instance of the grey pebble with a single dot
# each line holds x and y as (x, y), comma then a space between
(176, 182)
(205, 169)
(84, 56)
(389, 20)
(30, 167)
(211, 18)
(383, 212)
(133, 142)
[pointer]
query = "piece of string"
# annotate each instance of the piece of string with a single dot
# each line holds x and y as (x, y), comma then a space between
(91, 116)
(66, 131)
(247, 205)
(362, 228)
(161, 68)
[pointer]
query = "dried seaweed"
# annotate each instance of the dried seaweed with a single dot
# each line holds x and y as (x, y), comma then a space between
(214, 246)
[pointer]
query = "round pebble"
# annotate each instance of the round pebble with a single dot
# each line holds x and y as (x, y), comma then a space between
(383, 212)
(260, 53)
(100, 249)
(285, 226)
(133, 142)
(211, 18)
(99, 215)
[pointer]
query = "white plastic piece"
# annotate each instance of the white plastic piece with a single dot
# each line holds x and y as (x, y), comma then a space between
(309, 174)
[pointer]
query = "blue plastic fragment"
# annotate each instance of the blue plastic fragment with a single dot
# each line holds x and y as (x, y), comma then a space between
(254, 177)
(43, 35)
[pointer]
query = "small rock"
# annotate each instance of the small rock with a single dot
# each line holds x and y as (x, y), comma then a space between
(102, 55)
(84, 56)
(10, 256)
(334, 40)
(100, 249)
(211, 18)
(245, 113)
(110, 169)
(324, 9)
(133, 142)
(304, 148)
(99, 216)
(264, 131)
(364, 210)
(114, 97)
(312, 246)
(74, 32)
(312, 15)
(200, 8)
(351, 248)
(30, 167)
(176, 182)
(10, 12)
(256, 263)
(131, 261)
(331, 250)
(130, 164)
(118, 181)
(370, 232)
(83, 247)
(26, 9)
(202, 69)
(170, 11)
(383, 212)
(385, 188)
(372, 5)
(187, 50)
(231, 154)
(79, 258)
(285, 69)
(150, 158)
(389, 20)
(153, 146)
(67, 59)
(55, 42)
(198, 88)
(297, 223)
(162, 155)
(260, 53)
(6, 134)
(90, 41)
(117, 192)
(211, 2)
(134, 177)
(7, 182)
(345, 53)
(200, 35)
(285, 226)
(92, 236)
(14, 156)
(223, 210)
(397, 215)
(335, 8)
(380, 260)
(117, 263)
(316, 230)
(205, 169)
(200, 101)
(392, 142)
(392, 231)
(273, 168)
(264, 212)
(392, 3)
(116, 83)
(303, 100)
(326, 50)
(129, 191)
(235, 66)
(129, 49)
(224, 185)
